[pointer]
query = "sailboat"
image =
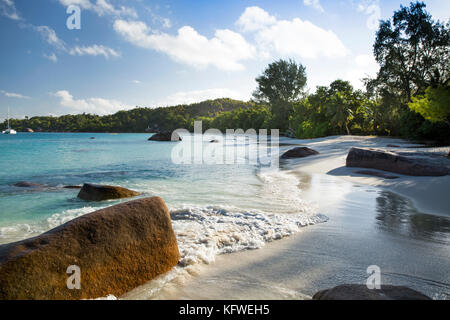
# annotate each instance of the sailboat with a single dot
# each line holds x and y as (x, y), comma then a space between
(9, 130)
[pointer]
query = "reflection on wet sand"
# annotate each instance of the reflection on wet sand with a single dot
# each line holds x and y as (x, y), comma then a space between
(396, 215)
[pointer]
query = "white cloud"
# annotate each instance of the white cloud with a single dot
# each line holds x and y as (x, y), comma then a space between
(255, 18)
(8, 9)
(102, 7)
(98, 106)
(365, 66)
(52, 57)
(166, 23)
(373, 10)
(315, 4)
(50, 36)
(136, 82)
(225, 50)
(290, 38)
(14, 95)
(94, 50)
(188, 97)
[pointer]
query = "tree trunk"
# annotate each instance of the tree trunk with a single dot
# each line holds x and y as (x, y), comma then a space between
(348, 130)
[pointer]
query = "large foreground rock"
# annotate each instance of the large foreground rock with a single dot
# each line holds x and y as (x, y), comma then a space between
(96, 192)
(117, 249)
(165, 136)
(361, 292)
(393, 162)
(299, 152)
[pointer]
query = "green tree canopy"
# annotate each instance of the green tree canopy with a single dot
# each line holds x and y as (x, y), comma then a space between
(413, 52)
(434, 105)
(280, 85)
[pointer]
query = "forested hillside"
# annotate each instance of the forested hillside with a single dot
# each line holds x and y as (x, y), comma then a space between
(135, 120)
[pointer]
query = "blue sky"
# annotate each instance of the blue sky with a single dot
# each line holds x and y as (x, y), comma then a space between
(156, 53)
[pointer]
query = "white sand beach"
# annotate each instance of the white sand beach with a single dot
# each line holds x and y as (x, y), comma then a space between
(400, 225)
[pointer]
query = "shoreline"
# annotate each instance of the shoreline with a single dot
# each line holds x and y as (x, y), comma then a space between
(297, 266)
(427, 193)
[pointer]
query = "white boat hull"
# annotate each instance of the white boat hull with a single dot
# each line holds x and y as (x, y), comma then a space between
(9, 131)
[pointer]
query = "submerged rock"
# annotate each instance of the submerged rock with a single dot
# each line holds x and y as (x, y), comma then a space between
(26, 184)
(116, 249)
(361, 292)
(393, 162)
(72, 187)
(165, 136)
(95, 192)
(299, 152)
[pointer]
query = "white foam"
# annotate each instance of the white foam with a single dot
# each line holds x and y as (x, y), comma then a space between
(17, 231)
(205, 232)
(22, 231)
(58, 219)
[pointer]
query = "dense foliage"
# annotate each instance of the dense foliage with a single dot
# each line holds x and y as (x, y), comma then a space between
(409, 97)
(135, 120)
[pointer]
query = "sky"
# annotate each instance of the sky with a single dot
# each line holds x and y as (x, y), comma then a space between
(128, 53)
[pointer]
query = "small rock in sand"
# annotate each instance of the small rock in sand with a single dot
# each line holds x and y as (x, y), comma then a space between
(412, 165)
(299, 152)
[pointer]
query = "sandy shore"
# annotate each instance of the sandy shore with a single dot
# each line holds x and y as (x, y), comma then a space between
(429, 194)
(402, 226)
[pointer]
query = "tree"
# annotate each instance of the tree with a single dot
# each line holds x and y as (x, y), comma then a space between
(280, 85)
(434, 105)
(413, 52)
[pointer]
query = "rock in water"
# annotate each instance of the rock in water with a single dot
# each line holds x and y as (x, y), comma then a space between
(393, 162)
(165, 136)
(300, 152)
(117, 249)
(361, 292)
(26, 184)
(95, 192)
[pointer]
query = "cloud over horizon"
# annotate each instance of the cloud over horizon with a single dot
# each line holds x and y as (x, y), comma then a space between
(98, 106)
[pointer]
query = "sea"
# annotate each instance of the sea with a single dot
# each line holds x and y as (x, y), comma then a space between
(215, 207)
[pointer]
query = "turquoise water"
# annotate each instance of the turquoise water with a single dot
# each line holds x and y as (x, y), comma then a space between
(55, 160)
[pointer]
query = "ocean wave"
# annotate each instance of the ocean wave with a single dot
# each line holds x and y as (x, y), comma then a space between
(205, 232)
(20, 231)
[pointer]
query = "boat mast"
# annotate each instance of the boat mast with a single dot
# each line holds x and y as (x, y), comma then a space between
(8, 119)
